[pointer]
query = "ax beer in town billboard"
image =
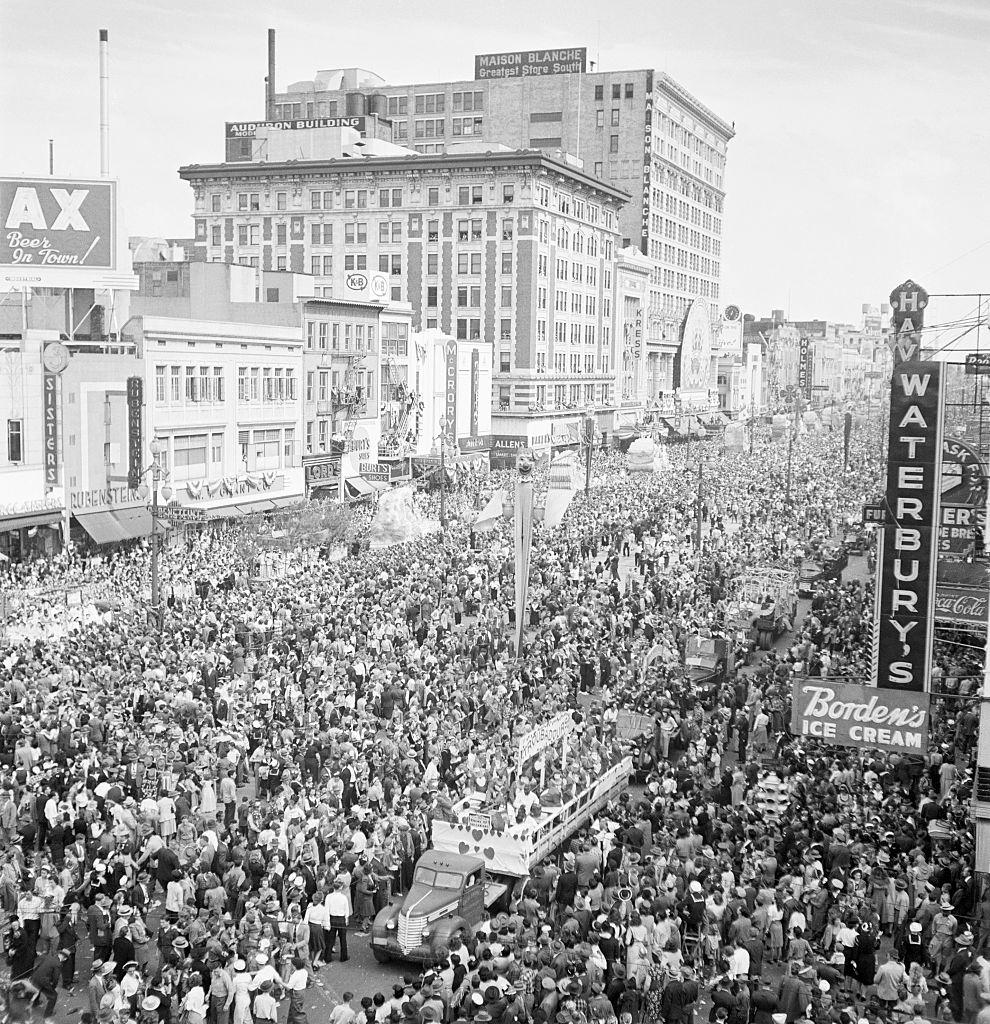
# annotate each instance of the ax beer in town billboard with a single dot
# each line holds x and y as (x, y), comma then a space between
(57, 232)
(908, 552)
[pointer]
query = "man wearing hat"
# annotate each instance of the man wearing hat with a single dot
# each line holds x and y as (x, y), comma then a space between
(794, 993)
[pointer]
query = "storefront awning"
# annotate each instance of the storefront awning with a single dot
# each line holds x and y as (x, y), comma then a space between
(134, 522)
(715, 419)
(113, 526)
(26, 521)
(286, 502)
(359, 487)
(262, 505)
(225, 512)
(102, 527)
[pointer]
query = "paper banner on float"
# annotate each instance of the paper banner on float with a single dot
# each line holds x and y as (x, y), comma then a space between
(523, 539)
(557, 502)
(489, 516)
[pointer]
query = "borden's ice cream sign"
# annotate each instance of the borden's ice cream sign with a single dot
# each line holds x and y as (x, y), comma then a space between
(851, 715)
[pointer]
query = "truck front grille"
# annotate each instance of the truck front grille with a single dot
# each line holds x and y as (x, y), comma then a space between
(410, 932)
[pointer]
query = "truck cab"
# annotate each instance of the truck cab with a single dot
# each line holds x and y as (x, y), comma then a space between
(448, 896)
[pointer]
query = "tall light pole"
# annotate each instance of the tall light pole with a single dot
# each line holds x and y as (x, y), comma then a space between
(589, 438)
(697, 536)
(158, 474)
(790, 450)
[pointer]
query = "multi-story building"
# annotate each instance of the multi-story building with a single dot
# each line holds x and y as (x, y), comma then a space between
(639, 130)
(515, 249)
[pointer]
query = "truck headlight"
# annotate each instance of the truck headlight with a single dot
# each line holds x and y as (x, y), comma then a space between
(390, 924)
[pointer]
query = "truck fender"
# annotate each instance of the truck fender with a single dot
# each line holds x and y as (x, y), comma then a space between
(440, 932)
(383, 916)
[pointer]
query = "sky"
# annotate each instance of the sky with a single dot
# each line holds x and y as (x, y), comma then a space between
(861, 153)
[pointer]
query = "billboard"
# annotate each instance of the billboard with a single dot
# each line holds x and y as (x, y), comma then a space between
(853, 715)
(57, 232)
(956, 605)
(531, 63)
(908, 550)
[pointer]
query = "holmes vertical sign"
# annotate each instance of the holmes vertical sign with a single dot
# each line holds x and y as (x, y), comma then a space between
(905, 601)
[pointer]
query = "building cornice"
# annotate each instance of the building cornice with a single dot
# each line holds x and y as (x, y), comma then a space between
(471, 163)
(664, 82)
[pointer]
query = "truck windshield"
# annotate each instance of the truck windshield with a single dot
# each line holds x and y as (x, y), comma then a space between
(438, 879)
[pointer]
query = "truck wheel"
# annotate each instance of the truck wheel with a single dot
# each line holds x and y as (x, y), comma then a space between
(765, 639)
(381, 955)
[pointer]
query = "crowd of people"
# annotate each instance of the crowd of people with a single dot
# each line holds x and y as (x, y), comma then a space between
(214, 804)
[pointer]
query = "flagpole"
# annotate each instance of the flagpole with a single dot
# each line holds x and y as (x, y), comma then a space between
(523, 538)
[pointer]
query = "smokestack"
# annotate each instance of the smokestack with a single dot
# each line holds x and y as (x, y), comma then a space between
(270, 80)
(51, 156)
(104, 103)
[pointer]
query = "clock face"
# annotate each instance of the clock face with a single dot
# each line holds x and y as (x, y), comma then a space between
(55, 357)
(731, 312)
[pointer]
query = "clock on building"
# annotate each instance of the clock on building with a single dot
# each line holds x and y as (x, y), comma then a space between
(55, 357)
(732, 312)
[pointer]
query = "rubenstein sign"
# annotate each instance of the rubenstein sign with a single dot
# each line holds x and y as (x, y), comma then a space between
(852, 715)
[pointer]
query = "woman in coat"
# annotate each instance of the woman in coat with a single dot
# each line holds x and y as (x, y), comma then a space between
(865, 954)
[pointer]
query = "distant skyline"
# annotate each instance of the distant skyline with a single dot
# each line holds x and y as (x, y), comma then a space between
(860, 154)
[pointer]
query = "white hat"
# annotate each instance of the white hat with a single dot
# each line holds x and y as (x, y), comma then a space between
(695, 886)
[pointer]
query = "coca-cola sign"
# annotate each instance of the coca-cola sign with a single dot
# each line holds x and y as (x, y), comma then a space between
(960, 604)
(851, 715)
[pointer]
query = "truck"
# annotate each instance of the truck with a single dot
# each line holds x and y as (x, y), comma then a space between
(707, 661)
(825, 564)
(764, 605)
(478, 862)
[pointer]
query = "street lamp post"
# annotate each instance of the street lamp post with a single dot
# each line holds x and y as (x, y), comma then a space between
(158, 474)
(701, 474)
(790, 450)
(589, 437)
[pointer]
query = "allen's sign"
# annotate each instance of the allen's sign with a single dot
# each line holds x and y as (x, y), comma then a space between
(851, 715)
(908, 552)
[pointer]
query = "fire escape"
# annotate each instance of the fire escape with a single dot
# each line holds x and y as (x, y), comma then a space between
(399, 414)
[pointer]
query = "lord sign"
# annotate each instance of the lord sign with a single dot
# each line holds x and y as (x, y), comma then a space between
(908, 550)
(851, 715)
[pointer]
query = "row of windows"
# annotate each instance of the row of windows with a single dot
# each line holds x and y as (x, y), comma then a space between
(178, 385)
(323, 385)
(355, 337)
(618, 91)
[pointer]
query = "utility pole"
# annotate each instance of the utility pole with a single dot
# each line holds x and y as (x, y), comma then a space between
(790, 449)
(589, 436)
(697, 535)
(443, 483)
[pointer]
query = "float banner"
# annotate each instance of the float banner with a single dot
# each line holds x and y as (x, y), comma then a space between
(852, 715)
(908, 553)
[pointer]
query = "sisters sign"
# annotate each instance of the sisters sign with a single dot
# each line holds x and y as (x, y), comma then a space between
(851, 715)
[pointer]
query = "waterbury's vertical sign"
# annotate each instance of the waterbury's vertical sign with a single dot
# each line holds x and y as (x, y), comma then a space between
(135, 400)
(51, 430)
(908, 553)
(450, 389)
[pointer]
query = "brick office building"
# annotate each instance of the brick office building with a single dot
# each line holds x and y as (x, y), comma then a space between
(513, 248)
(639, 130)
